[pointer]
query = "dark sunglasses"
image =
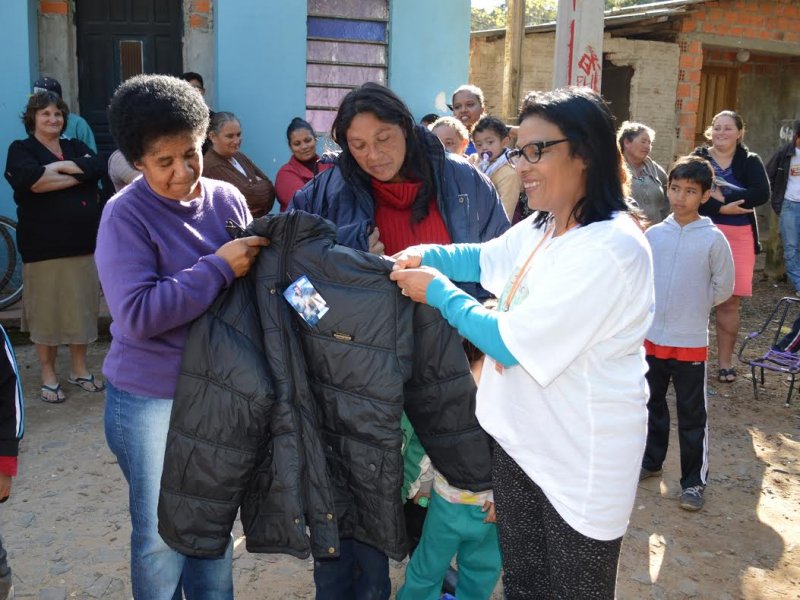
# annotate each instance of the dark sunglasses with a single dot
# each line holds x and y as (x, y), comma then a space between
(532, 151)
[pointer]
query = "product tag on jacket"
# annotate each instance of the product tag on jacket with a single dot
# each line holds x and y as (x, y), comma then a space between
(306, 300)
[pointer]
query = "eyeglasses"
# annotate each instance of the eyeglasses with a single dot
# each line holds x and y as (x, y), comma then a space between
(532, 151)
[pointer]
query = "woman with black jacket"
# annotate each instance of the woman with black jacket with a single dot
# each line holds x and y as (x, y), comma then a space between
(58, 211)
(740, 184)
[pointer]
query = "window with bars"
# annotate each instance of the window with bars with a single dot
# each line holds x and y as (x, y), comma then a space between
(347, 45)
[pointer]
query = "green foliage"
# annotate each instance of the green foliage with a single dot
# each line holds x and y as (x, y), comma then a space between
(536, 11)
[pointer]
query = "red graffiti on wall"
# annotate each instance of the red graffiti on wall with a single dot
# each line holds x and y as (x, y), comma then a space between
(591, 67)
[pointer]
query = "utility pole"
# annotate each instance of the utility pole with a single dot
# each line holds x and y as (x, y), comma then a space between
(579, 44)
(512, 61)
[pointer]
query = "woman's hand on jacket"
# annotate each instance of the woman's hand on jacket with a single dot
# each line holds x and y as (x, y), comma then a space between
(414, 282)
(375, 244)
(735, 208)
(240, 254)
(410, 258)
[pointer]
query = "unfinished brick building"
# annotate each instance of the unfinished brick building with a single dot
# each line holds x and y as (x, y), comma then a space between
(674, 64)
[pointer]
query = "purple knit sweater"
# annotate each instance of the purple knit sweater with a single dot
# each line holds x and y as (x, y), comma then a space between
(158, 270)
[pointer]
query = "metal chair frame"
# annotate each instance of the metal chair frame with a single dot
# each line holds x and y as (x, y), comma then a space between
(773, 359)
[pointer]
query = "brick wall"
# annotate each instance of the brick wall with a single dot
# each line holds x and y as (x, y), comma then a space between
(652, 95)
(486, 66)
(199, 14)
(653, 87)
(748, 23)
(54, 7)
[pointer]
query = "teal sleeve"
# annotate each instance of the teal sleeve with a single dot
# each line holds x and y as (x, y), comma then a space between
(473, 321)
(413, 453)
(460, 262)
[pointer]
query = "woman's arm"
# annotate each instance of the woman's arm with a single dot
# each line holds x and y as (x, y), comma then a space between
(756, 184)
(260, 193)
(461, 310)
(142, 303)
(460, 262)
(476, 323)
(57, 176)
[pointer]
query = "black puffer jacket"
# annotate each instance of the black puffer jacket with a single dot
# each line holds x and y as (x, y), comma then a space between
(300, 425)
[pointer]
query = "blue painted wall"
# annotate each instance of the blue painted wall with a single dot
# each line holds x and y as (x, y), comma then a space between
(428, 52)
(261, 67)
(18, 30)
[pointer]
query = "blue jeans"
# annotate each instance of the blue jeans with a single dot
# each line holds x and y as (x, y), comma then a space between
(360, 573)
(790, 234)
(136, 431)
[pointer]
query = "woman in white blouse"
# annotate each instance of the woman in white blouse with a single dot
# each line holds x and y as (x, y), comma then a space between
(563, 389)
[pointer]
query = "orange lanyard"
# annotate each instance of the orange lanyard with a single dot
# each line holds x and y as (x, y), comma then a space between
(524, 269)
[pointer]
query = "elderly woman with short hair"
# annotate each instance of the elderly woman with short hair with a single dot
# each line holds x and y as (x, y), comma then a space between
(58, 209)
(225, 161)
(648, 178)
(164, 255)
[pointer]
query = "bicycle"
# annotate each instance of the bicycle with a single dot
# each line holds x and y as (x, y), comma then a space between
(10, 264)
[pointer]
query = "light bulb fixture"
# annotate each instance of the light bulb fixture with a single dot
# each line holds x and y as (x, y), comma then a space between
(743, 55)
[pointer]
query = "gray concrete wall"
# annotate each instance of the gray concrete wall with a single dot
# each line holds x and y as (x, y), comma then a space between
(198, 50)
(758, 92)
(58, 54)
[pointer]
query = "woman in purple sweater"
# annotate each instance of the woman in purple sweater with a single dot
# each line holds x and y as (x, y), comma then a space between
(163, 255)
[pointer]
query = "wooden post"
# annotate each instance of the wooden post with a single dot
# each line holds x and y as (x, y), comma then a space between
(579, 43)
(512, 61)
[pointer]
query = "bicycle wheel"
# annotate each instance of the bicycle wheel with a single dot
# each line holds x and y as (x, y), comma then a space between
(10, 264)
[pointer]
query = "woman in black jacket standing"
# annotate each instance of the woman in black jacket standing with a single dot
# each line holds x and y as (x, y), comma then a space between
(740, 184)
(58, 211)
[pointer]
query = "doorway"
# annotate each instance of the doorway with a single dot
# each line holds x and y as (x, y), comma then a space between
(116, 40)
(717, 93)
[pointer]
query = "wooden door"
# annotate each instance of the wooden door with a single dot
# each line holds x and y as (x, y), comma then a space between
(118, 39)
(717, 93)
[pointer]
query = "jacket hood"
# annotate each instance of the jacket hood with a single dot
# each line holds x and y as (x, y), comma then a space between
(701, 223)
(298, 224)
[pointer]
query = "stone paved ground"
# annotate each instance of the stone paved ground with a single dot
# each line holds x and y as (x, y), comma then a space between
(66, 525)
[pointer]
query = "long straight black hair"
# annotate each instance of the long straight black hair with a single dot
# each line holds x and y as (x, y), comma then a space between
(388, 108)
(586, 121)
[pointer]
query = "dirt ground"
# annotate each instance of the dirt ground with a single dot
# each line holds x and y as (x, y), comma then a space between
(66, 525)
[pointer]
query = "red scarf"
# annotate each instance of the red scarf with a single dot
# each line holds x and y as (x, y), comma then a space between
(393, 217)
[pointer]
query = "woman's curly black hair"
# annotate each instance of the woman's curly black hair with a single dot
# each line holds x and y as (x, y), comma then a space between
(146, 108)
(39, 101)
(388, 108)
(586, 121)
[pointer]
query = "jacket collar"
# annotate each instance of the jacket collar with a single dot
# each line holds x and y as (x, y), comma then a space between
(289, 228)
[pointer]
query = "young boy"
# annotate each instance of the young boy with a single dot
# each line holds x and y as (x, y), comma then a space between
(490, 136)
(11, 430)
(459, 523)
(693, 271)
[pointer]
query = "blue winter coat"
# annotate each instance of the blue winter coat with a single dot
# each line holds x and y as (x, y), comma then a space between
(466, 198)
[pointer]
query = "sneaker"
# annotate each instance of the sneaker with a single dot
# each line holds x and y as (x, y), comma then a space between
(692, 498)
(647, 473)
